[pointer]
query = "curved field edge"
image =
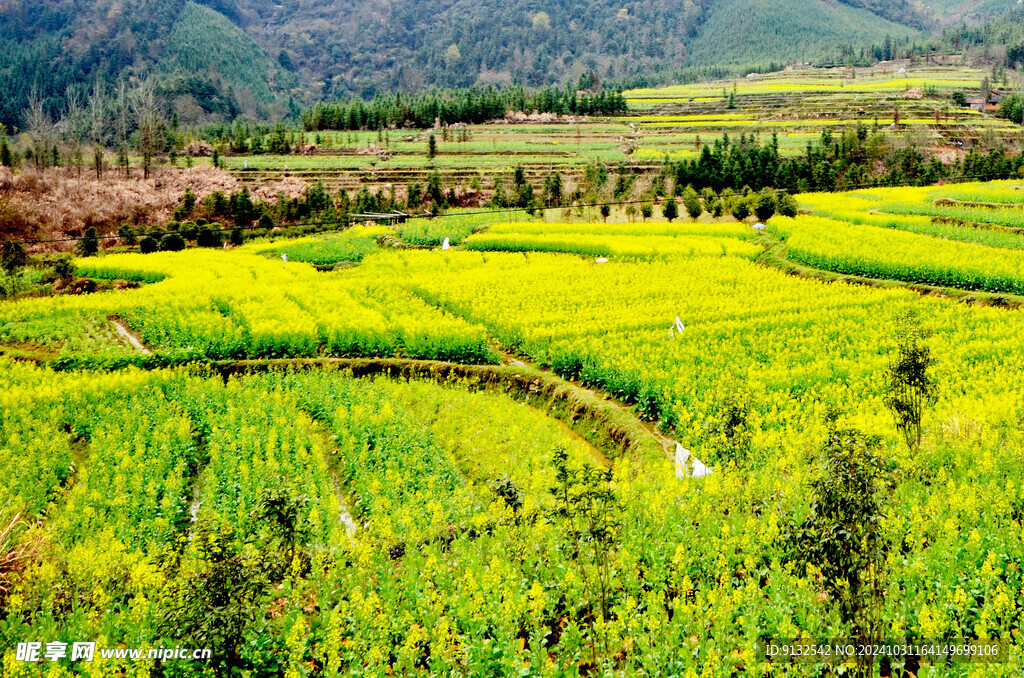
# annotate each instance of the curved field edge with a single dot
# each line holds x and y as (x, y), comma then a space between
(776, 255)
(606, 424)
(610, 426)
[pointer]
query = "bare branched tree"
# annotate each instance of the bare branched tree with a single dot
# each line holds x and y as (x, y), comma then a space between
(151, 138)
(123, 107)
(40, 129)
(97, 124)
(70, 125)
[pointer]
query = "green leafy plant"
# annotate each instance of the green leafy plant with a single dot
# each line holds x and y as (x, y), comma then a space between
(214, 603)
(13, 257)
(172, 242)
(670, 210)
(89, 245)
(729, 429)
(505, 489)
(148, 245)
(591, 525)
(126, 234)
(842, 534)
(764, 205)
(284, 514)
(909, 385)
(64, 268)
(691, 201)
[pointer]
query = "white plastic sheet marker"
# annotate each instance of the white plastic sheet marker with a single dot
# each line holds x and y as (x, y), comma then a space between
(689, 466)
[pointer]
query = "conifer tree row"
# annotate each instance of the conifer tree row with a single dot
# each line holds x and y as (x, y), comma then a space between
(474, 105)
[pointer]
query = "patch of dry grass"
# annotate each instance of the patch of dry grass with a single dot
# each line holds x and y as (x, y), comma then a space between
(13, 555)
(57, 203)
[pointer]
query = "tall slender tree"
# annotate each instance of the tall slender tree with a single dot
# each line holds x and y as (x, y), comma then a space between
(151, 138)
(70, 125)
(97, 124)
(40, 129)
(123, 107)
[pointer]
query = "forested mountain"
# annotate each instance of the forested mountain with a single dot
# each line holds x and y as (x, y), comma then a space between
(810, 28)
(204, 64)
(262, 58)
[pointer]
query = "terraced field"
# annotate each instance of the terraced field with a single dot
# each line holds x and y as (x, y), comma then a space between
(965, 236)
(352, 160)
(799, 104)
(247, 487)
(673, 121)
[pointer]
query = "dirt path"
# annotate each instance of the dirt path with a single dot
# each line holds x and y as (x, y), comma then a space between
(667, 444)
(129, 336)
(319, 430)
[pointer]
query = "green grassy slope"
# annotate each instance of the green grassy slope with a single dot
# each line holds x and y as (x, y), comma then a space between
(204, 41)
(753, 31)
(947, 11)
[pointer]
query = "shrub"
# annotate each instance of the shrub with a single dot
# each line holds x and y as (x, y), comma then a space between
(691, 201)
(237, 238)
(126, 234)
(188, 200)
(64, 267)
(214, 606)
(787, 205)
(504, 488)
(842, 534)
(729, 430)
(266, 221)
(207, 237)
(670, 210)
(89, 245)
(172, 242)
(188, 230)
(740, 208)
(764, 205)
(712, 203)
(217, 204)
(148, 244)
(591, 521)
(910, 387)
(243, 211)
(13, 258)
(646, 210)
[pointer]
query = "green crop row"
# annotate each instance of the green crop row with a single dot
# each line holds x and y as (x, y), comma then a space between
(886, 253)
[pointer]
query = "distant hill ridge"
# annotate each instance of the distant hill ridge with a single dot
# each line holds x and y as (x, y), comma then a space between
(218, 58)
